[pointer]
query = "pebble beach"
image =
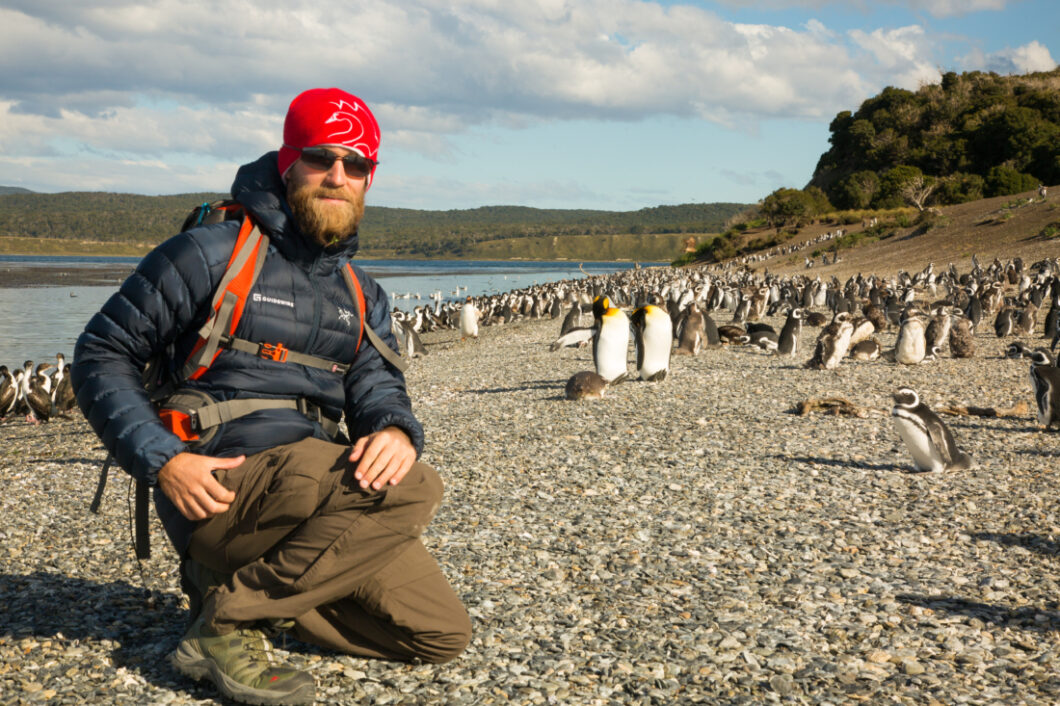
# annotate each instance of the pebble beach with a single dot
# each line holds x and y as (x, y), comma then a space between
(695, 540)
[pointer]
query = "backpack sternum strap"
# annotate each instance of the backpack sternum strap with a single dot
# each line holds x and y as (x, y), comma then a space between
(281, 354)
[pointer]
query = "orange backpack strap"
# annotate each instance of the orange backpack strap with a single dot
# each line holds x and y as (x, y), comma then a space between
(359, 304)
(242, 271)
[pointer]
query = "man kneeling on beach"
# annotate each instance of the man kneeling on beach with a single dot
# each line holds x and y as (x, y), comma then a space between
(281, 523)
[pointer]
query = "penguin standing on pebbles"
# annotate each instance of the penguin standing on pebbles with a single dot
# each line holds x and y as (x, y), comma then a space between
(962, 339)
(1045, 378)
(690, 332)
(832, 344)
(610, 344)
(468, 320)
(653, 336)
(911, 346)
(788, 341)
(929, 440)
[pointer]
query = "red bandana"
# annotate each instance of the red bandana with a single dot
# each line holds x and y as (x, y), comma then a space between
(328, 117)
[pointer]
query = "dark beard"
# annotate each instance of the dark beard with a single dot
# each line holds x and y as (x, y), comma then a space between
(324, 225)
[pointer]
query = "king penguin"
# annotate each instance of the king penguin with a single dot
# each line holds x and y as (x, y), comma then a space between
(610, 344)
(1045, 378)
(585, 385)
(929, 440)
(653, 336)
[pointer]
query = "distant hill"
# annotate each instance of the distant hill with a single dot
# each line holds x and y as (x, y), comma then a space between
(1004, 227)
(135, 221)
(5, 190)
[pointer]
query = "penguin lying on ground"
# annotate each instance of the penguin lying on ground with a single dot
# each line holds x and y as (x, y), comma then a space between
(585, 385)
(929, 440)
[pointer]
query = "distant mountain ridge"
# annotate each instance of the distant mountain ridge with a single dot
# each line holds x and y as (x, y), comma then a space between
(5, 190)
(654, 233)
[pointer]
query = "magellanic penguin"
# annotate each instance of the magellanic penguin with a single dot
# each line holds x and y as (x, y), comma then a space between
(653, 336)
(691, 332)
(37, 389)
(929, 440)
(572, 320)
(937, 333)
(868, 349)
(911, 345)
(1004, 323)
(8, 391)
(832, 344)
(1045, 379)
(788, 341)
(585, 385)
(610, 344)
(962, 338)
(62, 390)
(1017, 350)
(468, 320)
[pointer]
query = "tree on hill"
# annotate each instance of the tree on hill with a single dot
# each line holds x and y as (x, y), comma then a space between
(956, 134)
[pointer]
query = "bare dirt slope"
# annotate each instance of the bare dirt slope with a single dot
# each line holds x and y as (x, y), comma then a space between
(1003, 227)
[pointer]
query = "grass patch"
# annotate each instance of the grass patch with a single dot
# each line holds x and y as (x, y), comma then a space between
(13, 245)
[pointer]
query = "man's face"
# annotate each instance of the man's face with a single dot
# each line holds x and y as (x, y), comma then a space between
(327, 204)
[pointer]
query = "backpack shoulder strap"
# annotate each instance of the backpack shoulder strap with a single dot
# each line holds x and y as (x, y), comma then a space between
(359, 303)
(229, 299)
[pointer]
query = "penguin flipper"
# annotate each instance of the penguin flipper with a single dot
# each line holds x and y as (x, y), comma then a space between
(941, 439)
(576, 337)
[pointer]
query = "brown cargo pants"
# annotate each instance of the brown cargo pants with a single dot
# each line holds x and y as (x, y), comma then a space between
(303, 541)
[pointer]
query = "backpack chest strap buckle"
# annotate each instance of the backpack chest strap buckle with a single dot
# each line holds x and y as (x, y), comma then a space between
(273, 351)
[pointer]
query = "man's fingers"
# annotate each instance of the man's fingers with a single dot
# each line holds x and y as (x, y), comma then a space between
(216, 491)
(358, 449)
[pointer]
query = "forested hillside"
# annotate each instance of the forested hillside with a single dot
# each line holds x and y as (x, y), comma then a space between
(133, 219)
(971, 136)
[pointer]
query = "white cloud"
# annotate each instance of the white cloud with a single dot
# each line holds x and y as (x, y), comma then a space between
(903, 56)
(936, 8)
(1026, 59)
(950, 8)
(190, 83)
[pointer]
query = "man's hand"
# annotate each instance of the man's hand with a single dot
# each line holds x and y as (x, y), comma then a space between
(382, 457)
(187, 479)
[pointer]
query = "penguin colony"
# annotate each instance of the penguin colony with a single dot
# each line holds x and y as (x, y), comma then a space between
(36, 393)
(665, 313)
(676, 312)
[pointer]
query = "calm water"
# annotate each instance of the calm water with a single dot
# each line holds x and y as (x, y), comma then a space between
(38, 322)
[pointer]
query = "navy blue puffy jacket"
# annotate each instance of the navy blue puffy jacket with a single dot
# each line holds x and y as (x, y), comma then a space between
(304, 303)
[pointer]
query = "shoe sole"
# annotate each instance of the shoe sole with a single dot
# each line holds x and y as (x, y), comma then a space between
(191, 663)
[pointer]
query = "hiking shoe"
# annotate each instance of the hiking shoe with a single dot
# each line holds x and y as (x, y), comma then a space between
(242, 666)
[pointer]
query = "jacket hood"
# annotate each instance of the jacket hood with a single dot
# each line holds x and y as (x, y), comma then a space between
(260, 189)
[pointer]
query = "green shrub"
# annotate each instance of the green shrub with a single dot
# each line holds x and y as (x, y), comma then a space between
(1001, 181)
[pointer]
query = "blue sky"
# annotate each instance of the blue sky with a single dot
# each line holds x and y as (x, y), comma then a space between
(604, 104)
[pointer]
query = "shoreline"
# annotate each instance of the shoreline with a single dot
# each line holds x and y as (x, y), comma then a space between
(689, 541)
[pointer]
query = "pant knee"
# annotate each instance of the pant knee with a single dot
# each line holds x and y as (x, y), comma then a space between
(441, 647)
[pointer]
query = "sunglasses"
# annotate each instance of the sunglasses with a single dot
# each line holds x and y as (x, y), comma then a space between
(356, 166)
